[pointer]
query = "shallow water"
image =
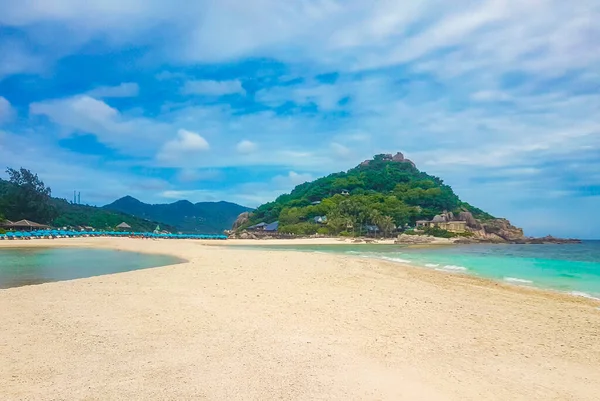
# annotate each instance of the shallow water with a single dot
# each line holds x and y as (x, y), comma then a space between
(573, 268)
(19, 267)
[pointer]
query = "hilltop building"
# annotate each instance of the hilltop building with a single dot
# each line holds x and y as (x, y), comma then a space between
(388, 157)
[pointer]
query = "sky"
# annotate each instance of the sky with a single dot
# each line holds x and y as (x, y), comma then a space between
(241, 101)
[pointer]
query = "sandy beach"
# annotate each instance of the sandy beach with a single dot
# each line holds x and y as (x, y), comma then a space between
(239, 324)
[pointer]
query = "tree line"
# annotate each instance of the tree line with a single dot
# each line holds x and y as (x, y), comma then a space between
(25, 196)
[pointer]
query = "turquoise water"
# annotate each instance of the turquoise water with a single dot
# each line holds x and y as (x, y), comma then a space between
(573, 268)
(19, 267)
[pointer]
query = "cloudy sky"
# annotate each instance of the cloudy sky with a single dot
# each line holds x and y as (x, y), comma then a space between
(240, 101)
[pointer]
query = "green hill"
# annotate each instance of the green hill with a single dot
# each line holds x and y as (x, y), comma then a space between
(99, 218)
(202, 217)
(386, 191)
(60, 213)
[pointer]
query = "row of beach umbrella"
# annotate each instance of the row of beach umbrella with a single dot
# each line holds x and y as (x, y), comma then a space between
(73, 234)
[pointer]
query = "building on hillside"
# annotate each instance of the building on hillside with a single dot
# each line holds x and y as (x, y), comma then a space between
(257, 227)
(272, 227)
(372, 229)
(25, 225)
(388, 157)
(444, 222)
(320, 219)
(345, 192)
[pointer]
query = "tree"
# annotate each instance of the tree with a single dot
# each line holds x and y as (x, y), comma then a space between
(386, 224)
(28, 197)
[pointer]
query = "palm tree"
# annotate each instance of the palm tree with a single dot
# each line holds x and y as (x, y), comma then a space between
(386, 224)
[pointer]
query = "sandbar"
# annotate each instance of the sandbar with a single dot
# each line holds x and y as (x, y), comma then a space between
(240, 324)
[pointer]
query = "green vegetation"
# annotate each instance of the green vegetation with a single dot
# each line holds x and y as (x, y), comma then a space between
(70, 215)
(203, 217)
(385, 194)
(25, 196)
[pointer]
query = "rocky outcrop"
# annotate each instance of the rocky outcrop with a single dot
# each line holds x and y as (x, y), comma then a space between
(414, 239)
(242, 219)
(501, 231)
(549, 240)
(496, 230)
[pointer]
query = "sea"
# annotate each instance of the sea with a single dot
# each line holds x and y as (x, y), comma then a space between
(571, 268)
(20, 267)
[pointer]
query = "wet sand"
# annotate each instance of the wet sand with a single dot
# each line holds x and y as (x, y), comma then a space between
(238, 324)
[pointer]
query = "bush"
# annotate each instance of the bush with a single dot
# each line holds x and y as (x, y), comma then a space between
(299, 229)
(2, 231)
(323, 231)
(438, 232)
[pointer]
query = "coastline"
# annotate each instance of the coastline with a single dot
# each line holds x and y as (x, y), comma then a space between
(238, 324)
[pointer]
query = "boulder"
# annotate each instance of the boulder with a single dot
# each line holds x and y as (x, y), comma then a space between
(241, 220)
(468, 217)
(414, 239)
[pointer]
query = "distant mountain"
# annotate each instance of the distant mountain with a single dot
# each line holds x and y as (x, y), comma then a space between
(202, 217)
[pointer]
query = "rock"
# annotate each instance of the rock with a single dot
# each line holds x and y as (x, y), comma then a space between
(241, 220)
(398, 157)
(414, 239)
(495, 230)
(468, 217)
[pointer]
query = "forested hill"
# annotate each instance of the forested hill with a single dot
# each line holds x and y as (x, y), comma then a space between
(28, 198)
(202, 217)
(384, 191)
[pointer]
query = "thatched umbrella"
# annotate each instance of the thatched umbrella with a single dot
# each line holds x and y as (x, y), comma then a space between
(124, 226)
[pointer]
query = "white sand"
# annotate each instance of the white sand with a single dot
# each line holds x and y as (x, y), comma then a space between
(235, 324)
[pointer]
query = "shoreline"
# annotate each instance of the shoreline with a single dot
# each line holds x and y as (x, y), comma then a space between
(233, 324)
(255, 245)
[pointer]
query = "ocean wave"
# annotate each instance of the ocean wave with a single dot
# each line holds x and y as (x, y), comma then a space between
(452, 268)
(431, 264)
(517, 280)
(398, 260)
(584, 295)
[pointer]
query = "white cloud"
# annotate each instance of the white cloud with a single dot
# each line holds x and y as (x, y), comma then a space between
(499, 35)
(325, 96)
(6, 110)
(126, 89)
(246, 147)
(80, 112)
(186, 144)
(291, 179)
(193, 175)
(213, 88)
(251, 194)
(85, 115)
(340, 150)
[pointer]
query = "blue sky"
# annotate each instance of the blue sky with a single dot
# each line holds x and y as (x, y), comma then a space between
(241, 101)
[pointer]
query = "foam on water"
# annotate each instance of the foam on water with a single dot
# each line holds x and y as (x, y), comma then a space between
(517, 280)
(432, 264)
(454, 268)
(398, 260)
(584, 295)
